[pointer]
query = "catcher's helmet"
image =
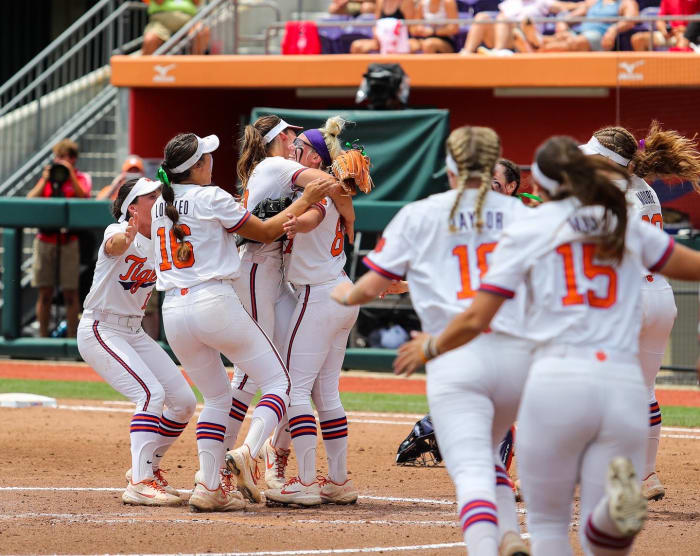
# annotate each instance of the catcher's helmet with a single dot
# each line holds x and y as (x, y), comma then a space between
(420, 447)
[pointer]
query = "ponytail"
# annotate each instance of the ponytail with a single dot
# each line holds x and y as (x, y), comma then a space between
(252, 147)
(331, 131)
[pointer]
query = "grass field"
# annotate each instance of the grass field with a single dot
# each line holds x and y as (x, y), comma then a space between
(673, 416)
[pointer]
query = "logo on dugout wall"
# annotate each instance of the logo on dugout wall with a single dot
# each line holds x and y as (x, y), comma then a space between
(161, 74)
(628, 73)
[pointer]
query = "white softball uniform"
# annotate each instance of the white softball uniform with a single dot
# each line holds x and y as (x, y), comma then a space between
(319, 327)
(111, 341)
(473, 391)
(260, 284)
(203, 316)
(585, 394)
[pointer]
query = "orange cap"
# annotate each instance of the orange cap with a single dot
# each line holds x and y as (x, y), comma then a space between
(132, 161)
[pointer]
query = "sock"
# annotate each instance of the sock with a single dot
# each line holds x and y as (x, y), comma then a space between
(479, 519)
(602, 535)
(144, 434)
(654, 437)
(505, 501)
(239, 407)
(302, 427)
(281, 439)
(170, 430)
(334, 429)
(268, 413)
(211, 429)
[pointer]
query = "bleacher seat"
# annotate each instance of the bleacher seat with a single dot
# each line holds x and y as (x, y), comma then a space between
(330, 36)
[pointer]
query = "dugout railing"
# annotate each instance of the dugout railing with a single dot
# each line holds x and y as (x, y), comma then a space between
(16, 214)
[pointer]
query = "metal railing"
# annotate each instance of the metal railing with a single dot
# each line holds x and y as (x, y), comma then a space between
(274, 28)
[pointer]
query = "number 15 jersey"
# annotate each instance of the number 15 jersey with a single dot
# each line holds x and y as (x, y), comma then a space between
(209, 216)
(444, 268)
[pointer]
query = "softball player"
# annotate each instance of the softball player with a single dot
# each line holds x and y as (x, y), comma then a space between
(196, 261)
(664, 153)
(111, 341)
(266, 172)
(442, 245)
(585, 394)
(314, 258)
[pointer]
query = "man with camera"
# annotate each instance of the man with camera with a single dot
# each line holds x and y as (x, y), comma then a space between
(57, 252)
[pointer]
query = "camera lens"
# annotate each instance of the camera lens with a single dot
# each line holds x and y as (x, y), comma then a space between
(58, 173)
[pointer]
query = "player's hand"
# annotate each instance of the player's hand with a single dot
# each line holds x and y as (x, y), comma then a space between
(318, 189)
(131, 229)
(410, 355)
(396, 287)
(290, 226)
(340, 291)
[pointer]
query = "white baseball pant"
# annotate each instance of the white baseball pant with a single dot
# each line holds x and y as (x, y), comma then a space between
(473, 395)
(581, 408)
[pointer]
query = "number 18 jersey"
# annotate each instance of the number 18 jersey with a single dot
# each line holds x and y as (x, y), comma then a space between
(444, 268)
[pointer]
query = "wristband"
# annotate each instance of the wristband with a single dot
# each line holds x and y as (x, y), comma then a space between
(344, 300)
(429, 350)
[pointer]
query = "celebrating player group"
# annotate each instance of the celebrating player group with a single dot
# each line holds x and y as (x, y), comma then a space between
(555, 316)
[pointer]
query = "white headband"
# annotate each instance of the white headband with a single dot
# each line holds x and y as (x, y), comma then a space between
(209, 144)
(550, 185)
(595, 147)
(269, 137)
(451, 164)
(143, 186)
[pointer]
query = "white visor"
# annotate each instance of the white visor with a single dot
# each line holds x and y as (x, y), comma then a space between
(550, 185)
(142, 187)
(269, 137)
(207, 145)
(595, 147)
(451, 164)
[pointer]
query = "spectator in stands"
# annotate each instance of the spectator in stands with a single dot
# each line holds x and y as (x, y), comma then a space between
(668, 34)
(436, 39)
(692, 33)
(498, 37)
(165, 18)
(506, 177)
(57, 252)
(132, 168)
(397, 9)
(351, 7)
(590, 36)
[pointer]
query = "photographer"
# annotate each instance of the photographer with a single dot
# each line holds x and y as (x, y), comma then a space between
(57, 252)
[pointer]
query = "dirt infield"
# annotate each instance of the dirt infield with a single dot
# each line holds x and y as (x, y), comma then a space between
(62, 471)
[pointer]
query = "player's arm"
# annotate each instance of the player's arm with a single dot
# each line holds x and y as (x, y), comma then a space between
(269, 230)
(119, 243)
(304, 223)
(682, 264)
(369, 286)
(462, 329)
(343, 202)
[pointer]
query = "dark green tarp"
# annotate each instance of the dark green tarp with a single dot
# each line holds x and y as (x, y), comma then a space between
(406, 146)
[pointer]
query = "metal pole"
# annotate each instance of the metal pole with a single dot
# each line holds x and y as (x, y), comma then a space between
(300, 8)
(236, 27)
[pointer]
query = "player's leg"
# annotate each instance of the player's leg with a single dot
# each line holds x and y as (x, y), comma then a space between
(612, 506)
(109, 352)
(462, 414)
(659, 314)
(563, 409)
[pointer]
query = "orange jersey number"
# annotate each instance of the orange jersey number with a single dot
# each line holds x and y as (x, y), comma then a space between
(591, 270)
(656, 220)
(338, 240)
(463, 259)
(166, 264)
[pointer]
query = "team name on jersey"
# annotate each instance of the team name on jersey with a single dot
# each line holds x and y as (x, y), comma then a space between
(181, 205)
(584, 224)
(136, 276)
(646, 197)
(493, 220)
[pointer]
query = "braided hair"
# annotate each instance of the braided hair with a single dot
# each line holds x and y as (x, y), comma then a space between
(476, 151)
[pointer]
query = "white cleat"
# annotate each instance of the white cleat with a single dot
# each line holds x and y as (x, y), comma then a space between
(337, 493)
(241, 464)
(225, 498)
(160, 479)
(512, 544)
(295, 492)
(148, 493)
(627, 505)
(275, 465)
(652, 489)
